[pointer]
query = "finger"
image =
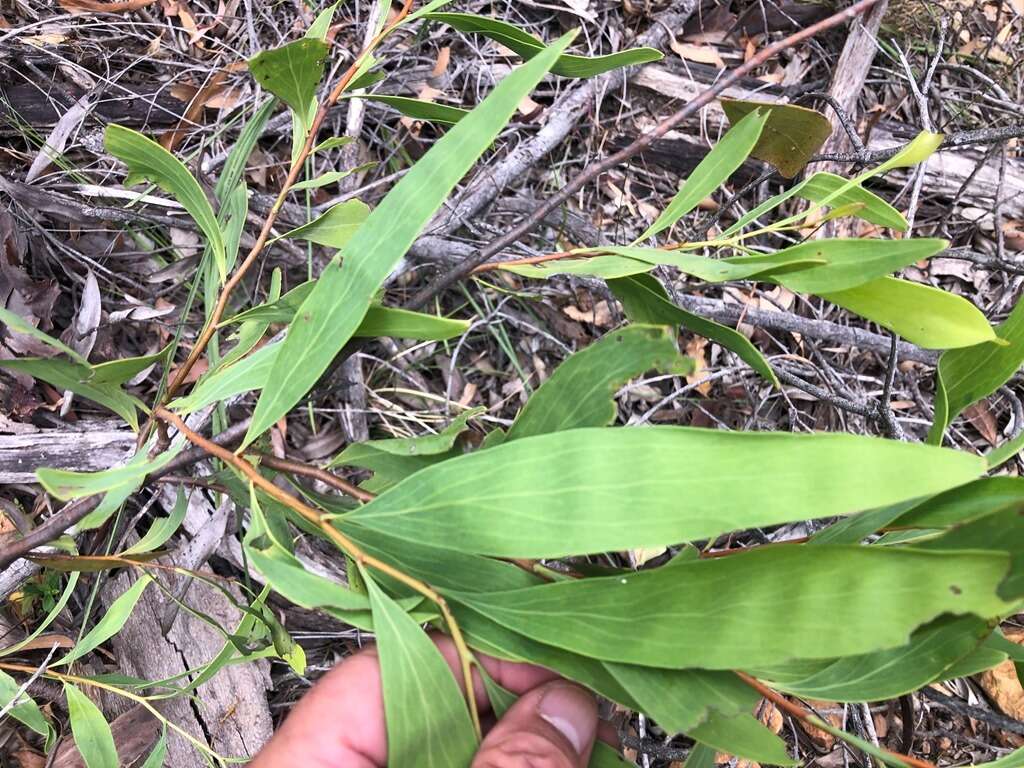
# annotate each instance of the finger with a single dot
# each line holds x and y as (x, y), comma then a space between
(553, 725)
(340, 721)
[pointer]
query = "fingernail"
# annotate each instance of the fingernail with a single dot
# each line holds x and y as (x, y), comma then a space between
(572, 711)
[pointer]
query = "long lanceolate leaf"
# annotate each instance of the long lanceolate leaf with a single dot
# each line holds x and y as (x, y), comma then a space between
(92, 733)
(147, 160)
(594, 490)
(922, 315)
(528, 46)
(332, 312)
(717, 166)
(754, 608)
(972, 373)
(427, 720)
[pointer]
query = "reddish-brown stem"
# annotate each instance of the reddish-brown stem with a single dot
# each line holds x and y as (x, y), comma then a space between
(293, 173)
(308, 470)
(493, 265)
(810, 718)
(340, 540)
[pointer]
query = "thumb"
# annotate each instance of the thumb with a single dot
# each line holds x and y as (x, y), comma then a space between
(553, 725)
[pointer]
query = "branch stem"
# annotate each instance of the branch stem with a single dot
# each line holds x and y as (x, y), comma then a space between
(340, 540)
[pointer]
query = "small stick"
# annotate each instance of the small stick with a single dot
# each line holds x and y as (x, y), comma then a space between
(593, 171)
(810, 718)
(307, 470)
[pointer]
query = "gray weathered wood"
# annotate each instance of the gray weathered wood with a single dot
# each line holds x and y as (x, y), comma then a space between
(85, 446)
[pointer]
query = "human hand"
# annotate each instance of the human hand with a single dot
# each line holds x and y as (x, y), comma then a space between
(340, 722)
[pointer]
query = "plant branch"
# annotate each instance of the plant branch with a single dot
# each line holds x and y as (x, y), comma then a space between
(591, 172)
(343, 542)
(293, 173)
(994, 719)
(308, 470)
(952, 140)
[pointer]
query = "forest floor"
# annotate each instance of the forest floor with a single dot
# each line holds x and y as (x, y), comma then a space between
(82, 253)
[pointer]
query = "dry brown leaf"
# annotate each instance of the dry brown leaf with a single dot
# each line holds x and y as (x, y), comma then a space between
(441, 64)
(600, 315)
(771, 717)
(46, 642)
(702, 54)
(695, 349)
(823, 739)
(99, 6)
(170, 139)
(1003, 687)
(980, 416)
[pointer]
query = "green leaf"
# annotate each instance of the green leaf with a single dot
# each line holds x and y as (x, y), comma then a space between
(50, 617)
(791, 137)
(528, 46)
(720, 270)
(850, 530)
(331, 314)
(253, 372)
(744, 736)
(919, 149)
(701, 756)
(968, 375)
(147, 160)
(247, 374)
(874, 209)
(26, 711)
(92, 733)
(427, 720)
(117, 372)
(581, 391)
(62, 375)
(967, 502)
(882, 674)
(922, 315)
(645, 301)
(334, 227)
(716, 167)
(333, 143)
(1002, 531)
(162, 528)
(604, 756)
(238, 156)
(878, 595)
(837, 191)
(550, 495)
(394, 459)
(603, 265)
(65, 484)
(849, 263)
(290, 578)
(1013, 760)
(322, 23)
(403, 324)
(1003, 453)
(159, 752)
(111, 622)
(682, 699)
(418, 109)
(292, 73)
(331, 177)
(18, 324)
